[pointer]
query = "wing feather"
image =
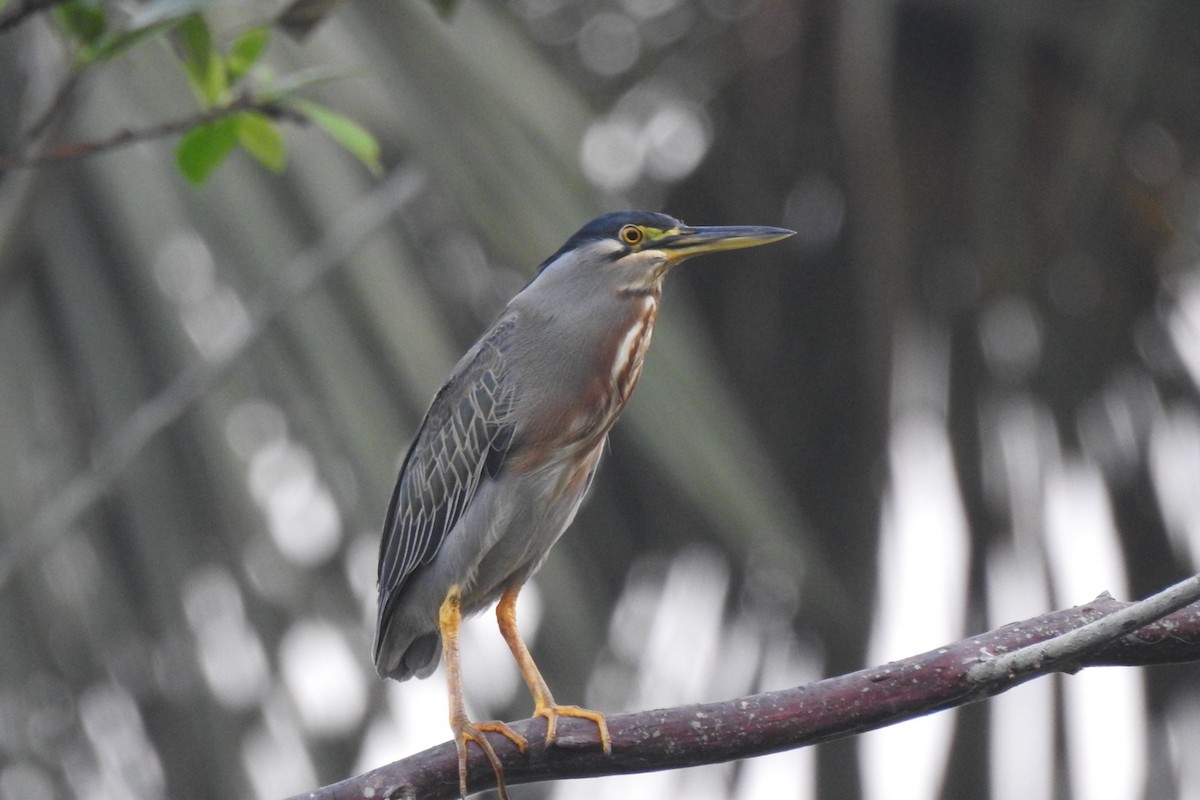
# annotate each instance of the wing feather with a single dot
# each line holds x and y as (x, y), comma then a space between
(465, 434)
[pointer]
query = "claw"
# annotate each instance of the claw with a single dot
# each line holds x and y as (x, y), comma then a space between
(552, 711)
(466, 731)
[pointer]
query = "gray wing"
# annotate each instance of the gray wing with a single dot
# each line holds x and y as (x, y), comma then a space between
(465, 433)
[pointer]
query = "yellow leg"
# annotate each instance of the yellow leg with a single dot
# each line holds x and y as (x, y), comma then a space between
(544, 705)
(449, 620)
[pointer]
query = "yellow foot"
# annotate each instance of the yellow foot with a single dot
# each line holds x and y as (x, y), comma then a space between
(467, 731)
(553, 711)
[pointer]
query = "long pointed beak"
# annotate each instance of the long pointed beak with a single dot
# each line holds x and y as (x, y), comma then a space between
(689, 242)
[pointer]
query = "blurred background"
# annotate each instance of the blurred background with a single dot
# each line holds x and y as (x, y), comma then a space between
(964, 394)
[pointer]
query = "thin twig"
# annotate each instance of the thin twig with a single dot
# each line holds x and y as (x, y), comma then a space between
(830, 709)
(1063, 653)
(54, 108)
(151, 418)
(159, 130)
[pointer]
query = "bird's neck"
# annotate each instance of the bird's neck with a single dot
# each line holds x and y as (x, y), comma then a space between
(594, 371)
(626, 347)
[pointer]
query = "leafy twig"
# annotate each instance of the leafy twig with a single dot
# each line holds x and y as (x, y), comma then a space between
(819, 712)
(159, 130)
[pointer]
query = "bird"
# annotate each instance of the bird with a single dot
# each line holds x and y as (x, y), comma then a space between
(508, 449)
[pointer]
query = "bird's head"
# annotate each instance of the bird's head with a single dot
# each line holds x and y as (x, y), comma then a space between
(635, 249)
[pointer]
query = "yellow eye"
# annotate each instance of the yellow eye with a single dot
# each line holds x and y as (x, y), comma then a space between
(631, 235)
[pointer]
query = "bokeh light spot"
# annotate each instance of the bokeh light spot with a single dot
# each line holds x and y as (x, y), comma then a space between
(676, 141)
(609, 44)
(611, 154)
(302, 516)
(184, 269)
(231, 655)
(323, 677)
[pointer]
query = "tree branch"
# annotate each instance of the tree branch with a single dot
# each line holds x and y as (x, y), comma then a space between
(129, 136)
(830, 709)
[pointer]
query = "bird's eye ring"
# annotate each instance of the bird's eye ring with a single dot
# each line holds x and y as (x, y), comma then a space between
(631, 234)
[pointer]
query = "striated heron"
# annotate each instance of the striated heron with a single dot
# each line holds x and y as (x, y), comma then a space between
(508, 449)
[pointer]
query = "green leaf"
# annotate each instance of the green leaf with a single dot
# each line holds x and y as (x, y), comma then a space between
(82, 20)
(356, 139)
(245, 52)
(203, 148)
(203, 64)
(262, 139)
(159, 16)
